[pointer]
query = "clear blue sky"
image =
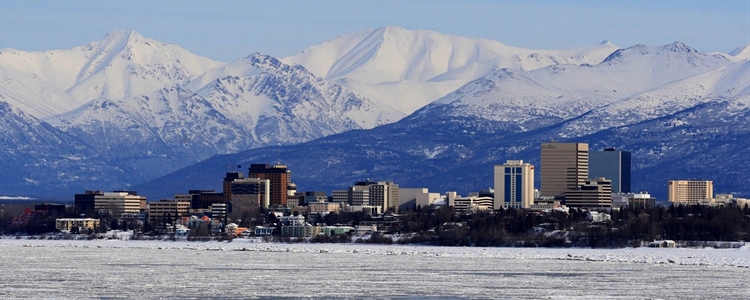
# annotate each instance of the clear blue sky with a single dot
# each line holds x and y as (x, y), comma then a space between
(227, 30)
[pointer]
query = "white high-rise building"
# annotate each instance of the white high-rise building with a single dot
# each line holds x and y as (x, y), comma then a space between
(514, 185)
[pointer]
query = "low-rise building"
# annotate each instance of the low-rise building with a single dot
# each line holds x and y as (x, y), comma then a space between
(263, 231)
(83, 224)
(306, 230)
(639, 200)
(323, 207)
(336, 230)
(167, 210)
(469, 204)
(593, 193)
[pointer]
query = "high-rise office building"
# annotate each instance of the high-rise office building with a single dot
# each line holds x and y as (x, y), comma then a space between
(690, 192)
(564, 166)
(613, 165)
(514, 185)
(279, 178)
(227, 187)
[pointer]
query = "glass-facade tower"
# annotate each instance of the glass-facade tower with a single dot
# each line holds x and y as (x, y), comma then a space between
(613, 165)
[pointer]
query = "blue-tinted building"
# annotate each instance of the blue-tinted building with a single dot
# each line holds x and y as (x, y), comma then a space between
(613, 165)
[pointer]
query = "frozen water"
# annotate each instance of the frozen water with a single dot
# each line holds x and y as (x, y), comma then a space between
(143, 269)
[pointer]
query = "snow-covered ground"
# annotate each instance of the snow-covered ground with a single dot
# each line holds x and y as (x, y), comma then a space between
(162, 269)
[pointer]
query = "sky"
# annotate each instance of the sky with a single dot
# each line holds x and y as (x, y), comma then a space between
(228, 30)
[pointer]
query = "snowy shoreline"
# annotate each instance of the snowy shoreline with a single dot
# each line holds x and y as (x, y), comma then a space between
(733, 257)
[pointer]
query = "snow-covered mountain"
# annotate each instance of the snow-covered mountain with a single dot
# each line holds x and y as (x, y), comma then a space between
(264, 93)
(409, 69)
(533, 99)
(738, 54)
(128, 109)
(164, 123)
(37, 159)
(122, 65)
(682, 113)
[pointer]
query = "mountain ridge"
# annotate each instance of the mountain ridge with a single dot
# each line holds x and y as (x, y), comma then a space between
(141, 109)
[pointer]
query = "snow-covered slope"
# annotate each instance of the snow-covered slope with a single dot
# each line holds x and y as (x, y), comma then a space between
(533, 99)
(282, 104)
(34, 95)
(409, 69)
(727, 83)
(37, 158)
(126, 64)
(739, 54)
(122, 65)
(166, 122)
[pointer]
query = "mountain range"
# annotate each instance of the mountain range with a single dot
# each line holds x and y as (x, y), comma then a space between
(416, 107)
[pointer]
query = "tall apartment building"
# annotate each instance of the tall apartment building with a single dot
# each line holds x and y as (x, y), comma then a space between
(514, 185)
(593, 193)
(119, 202)
(611, 164)
(564, 166)
(279, 177)
(690, 192)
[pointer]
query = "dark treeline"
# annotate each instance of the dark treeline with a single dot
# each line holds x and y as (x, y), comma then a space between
(511, 227)
(628, 227)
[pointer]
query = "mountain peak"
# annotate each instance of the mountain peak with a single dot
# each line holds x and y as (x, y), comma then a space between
(606, 43)
(679, 47)
(741, 51)
(262, 60)
(124, 35)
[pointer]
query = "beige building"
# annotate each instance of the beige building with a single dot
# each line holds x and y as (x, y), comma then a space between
(593, 193)
(118, 203)
(564, 166)
(514, 185)
(86, 224)
(322, 207)
(172, 208)
(690, 192)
